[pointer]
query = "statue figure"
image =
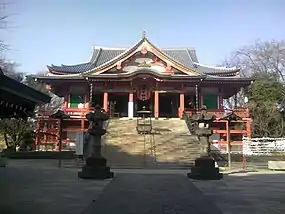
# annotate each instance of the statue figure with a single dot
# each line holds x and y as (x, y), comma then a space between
(95, 167)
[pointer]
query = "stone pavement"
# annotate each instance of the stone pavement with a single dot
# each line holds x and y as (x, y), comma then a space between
(152, 194)
(26, 190)
(253, 192)
(34, 187)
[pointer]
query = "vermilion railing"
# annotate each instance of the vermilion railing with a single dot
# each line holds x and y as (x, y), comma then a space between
(73, 112)
(241, 112)
(81, 112)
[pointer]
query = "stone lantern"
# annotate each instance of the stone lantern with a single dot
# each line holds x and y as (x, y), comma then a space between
(204, 168)
(95, 166)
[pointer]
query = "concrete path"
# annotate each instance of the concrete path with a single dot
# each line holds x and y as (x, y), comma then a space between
(38, 188)
(149, 194)
(248, 193)
(45, 191)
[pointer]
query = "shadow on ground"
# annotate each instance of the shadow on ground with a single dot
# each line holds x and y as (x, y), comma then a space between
(33, 187)
(247, 192)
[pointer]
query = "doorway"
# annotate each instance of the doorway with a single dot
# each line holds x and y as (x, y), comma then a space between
(168, 105)
(97, 99)
(118, 104)
(140, 104)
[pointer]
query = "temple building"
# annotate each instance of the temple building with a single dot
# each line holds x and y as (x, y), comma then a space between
(166, 81)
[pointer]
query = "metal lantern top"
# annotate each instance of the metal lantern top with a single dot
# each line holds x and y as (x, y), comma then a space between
(231, 117)
(97, 115)
(144, 113)
(204, 116)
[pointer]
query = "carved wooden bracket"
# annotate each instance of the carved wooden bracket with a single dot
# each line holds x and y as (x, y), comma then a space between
(168, 68)
(119, 65)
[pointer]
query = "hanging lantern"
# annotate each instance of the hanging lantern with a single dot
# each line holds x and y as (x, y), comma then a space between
(143, 93)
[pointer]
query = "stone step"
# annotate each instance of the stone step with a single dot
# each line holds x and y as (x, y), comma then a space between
(123, 145)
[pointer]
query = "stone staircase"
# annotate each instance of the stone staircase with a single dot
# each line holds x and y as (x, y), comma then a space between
(170, 144)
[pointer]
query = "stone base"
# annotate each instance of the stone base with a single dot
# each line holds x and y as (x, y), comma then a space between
(205, 169)
(95, 168)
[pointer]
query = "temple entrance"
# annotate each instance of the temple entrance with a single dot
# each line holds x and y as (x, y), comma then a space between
(168, 105)
(190, 101)
(97, 99)
(143, 99)
(118, 104)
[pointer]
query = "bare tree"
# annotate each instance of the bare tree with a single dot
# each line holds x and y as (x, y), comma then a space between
(262, 57)
(3, 24)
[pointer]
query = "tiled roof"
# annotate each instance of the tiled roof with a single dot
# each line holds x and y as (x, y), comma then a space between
(101, 55)
(72, 69)
(212, 70)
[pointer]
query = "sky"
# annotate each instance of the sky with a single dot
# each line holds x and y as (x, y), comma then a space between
(58, 32)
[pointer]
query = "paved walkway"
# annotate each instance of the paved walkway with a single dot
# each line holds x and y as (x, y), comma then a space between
(248, 193)
(152, 194)
(45, 191)
(35, 188)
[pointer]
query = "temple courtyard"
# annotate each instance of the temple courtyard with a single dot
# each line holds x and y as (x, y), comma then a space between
(37, 187)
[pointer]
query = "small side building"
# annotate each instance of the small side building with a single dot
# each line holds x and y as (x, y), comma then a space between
(17, 99)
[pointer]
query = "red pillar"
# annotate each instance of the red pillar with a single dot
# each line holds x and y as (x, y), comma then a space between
(181, 106)
(105, 101)
(131, 96)
(156, 104)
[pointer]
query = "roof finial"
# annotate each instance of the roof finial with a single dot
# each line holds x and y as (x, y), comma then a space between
(144, 34)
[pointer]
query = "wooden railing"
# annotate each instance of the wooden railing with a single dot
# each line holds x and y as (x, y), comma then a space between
(73, 112)
(81, 112)
(241, 112)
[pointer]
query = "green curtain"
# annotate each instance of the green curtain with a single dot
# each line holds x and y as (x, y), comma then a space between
(210, 101)
(76, 99)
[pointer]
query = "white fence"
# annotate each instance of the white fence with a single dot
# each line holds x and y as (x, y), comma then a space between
(263, 146)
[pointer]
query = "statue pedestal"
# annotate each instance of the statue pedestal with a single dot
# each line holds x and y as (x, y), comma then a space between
(205, 169)
(95, 168)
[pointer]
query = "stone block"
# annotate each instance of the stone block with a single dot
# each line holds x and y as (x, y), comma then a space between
(205, 169)
(95, 168)
(276, 165)
(96, 173)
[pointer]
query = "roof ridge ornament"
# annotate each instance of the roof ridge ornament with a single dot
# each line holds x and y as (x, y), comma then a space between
(144, 34)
